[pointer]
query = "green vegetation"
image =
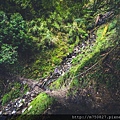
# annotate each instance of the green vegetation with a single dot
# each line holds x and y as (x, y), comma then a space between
(36, 35)
(38, 40)
(38, 45)
(59, 82)
(91, 59)
(16, 90)
(46, 60)
(37, 106)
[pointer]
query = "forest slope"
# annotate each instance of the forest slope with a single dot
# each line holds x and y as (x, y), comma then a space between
(73, 65)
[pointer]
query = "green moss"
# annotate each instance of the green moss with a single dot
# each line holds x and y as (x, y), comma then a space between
(37, 106)
(59, 82)
(46, 60)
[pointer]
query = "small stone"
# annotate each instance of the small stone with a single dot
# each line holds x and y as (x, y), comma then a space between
(15, 105)
(27, 93)
(13, 112)
(28, 104)
(8, 105)
(72, 57)
(63, 73)
(0, 112)
(20, 104)
(36, 88)
(7, 80)
(23, 100)
(6, 109)
(32, 95)
(29, 107)
(24, 82)
(5, 113)
(20, 101)
(24, 110)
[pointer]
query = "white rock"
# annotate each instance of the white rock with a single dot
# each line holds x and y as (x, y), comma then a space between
(8, 105)
(73, 56)
(24, 110)
(7, 80)
(0, 112)
(7, 109)
(27, 93)
(17, 104)
(23, 100)
(20, 101)
(28, 104)
(32, 95)
(24, 82)
(29, 107)
(13, 112)
(20, 104)
(63, 73)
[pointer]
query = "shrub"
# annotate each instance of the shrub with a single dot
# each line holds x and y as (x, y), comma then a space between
(8, 54)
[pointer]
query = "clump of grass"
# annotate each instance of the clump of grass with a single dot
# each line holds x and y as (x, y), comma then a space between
(59, 82)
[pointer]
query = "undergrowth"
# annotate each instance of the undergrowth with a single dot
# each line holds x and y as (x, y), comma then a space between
(15, 90)
(90, 58)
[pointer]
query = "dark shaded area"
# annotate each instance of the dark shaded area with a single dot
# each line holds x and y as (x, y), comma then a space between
(85, 102)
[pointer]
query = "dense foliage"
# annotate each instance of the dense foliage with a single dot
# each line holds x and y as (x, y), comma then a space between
(36, 36)
(65, 19)
(14, 39)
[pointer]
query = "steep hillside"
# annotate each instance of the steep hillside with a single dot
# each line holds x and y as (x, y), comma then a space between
(92, 84)
(60, 64)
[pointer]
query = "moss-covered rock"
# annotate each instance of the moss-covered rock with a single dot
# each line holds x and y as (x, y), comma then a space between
(36, 107)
